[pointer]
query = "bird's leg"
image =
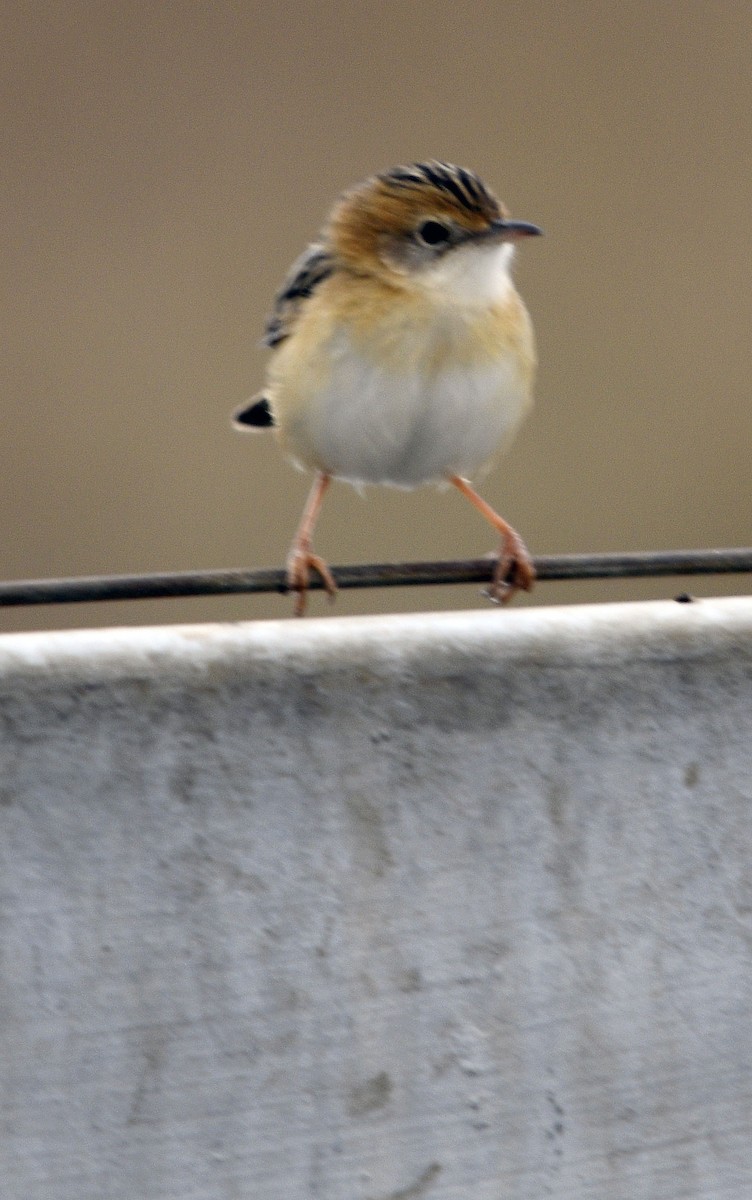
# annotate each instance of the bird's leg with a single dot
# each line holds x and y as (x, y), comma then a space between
(514, 566)
(301, 558)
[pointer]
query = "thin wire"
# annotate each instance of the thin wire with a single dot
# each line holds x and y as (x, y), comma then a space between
(477, 570)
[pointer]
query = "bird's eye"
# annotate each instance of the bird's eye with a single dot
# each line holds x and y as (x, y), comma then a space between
(433, 233)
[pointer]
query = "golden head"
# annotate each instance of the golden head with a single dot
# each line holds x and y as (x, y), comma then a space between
(406, 220)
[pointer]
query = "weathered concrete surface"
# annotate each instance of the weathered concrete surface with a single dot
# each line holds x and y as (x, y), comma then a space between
(444, 907)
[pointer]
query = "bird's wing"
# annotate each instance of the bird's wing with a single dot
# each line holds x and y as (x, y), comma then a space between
(312, 268)
(306, 273)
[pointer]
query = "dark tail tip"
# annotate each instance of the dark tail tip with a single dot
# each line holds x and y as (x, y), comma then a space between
(254, 414)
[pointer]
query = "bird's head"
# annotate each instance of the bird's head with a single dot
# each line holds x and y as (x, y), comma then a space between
(429, 224)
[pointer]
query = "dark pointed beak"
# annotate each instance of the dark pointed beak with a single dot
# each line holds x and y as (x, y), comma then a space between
(510, 231)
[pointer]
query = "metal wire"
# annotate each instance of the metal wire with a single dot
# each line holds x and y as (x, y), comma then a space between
(476, 570)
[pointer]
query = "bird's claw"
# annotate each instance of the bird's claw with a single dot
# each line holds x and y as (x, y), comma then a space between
(514, 571)
(300, 562)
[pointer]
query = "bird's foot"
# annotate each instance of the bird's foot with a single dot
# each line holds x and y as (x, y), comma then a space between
(514, 570)
(300, 561)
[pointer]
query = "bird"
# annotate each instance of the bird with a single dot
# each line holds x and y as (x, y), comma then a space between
(402, 353)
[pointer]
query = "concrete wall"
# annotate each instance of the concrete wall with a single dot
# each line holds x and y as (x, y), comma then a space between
(444, 907)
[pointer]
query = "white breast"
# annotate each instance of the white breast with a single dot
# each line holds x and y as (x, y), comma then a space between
(369, 425)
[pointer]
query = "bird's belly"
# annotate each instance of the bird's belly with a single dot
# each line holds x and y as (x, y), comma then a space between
(372, 425)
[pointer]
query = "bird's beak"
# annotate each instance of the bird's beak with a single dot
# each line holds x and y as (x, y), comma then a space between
(510, 231)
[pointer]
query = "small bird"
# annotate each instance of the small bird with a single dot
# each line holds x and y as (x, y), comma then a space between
(402, 353)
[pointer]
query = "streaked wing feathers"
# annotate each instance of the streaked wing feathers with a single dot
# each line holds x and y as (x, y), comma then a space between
(314, 265)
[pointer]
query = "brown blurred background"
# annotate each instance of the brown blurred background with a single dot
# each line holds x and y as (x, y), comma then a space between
(164, 162)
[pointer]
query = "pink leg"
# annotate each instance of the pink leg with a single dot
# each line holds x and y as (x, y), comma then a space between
(514, 568)
(301, 558)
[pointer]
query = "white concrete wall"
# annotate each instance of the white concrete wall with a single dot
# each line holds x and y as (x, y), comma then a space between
(444, 907)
